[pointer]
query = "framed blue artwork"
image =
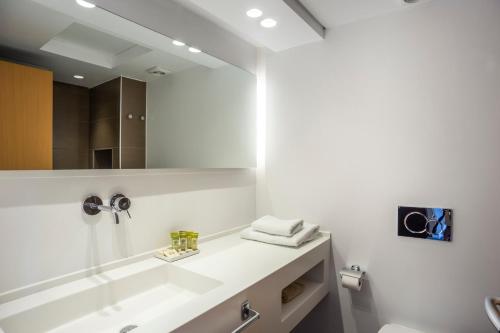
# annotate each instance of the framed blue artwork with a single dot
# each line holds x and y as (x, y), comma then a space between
(426, 223)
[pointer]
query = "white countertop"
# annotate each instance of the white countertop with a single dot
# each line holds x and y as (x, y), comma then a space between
(234, 262)
(238, 264)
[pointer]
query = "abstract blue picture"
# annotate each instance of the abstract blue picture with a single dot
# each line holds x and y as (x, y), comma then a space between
(427, 223)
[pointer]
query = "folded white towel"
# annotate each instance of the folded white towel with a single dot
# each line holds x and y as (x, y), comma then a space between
(308, 233)
(274, 226)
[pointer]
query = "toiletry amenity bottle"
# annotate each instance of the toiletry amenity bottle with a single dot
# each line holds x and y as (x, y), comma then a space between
(183, 240)
(175, 240)
(194, 241)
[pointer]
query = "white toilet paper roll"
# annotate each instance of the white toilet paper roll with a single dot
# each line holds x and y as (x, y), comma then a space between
(351, 282)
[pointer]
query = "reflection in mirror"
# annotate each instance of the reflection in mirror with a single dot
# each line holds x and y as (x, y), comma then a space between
(83, 88)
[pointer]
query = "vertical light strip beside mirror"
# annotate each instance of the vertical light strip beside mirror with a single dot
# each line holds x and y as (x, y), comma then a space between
(261, 112)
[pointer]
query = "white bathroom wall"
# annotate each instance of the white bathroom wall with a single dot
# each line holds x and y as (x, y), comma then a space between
(202, 118)
(44, 233)
(403, 109)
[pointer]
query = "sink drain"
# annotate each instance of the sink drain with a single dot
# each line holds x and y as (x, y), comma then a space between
(128, 328)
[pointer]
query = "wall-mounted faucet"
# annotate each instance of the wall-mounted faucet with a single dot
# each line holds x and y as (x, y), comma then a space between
(118, 203)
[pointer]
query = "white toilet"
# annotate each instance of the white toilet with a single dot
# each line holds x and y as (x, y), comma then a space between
(393, 328)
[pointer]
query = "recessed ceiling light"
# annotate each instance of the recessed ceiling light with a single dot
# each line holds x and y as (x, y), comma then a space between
(254, 13)
(178, 43)
(194, 50)
(268, 23)
(85, 4)
(79, 77)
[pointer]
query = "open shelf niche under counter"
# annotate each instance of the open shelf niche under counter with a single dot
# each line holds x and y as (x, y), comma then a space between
(312, 280)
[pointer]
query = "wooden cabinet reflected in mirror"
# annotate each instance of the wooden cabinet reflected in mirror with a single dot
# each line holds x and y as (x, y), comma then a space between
(25, 117)
(82, 93)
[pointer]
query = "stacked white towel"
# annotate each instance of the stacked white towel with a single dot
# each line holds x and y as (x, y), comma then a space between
(274, 226)
(272, 230)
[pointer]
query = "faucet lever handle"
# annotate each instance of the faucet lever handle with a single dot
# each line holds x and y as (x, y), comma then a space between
(128, 213)
(120, 202)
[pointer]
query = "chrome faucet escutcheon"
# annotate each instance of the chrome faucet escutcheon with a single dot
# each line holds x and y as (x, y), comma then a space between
(118, 203)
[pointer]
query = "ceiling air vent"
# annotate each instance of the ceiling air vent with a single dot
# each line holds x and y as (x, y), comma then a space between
(157, 71)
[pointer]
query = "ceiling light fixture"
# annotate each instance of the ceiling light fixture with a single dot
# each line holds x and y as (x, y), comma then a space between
(178, 43)
(194, 50)
(85, 4)
(79, 77)
(268, 23)
(254, 13)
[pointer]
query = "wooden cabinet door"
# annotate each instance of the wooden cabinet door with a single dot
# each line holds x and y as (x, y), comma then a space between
(25, 117)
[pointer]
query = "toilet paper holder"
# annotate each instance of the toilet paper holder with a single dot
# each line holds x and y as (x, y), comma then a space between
(355, 272)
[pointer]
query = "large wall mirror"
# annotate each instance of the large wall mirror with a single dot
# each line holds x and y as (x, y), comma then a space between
(82, 88)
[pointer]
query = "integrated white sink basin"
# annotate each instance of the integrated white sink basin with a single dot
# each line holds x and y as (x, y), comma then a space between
(131, 295)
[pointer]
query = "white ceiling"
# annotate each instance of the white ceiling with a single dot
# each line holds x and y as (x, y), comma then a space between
(68, 39)
(333, 13)
(94, 47)
(291, 30)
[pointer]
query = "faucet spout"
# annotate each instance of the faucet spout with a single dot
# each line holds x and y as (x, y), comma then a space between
(102, 208)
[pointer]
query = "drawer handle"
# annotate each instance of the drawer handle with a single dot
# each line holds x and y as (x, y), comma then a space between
(248, 315)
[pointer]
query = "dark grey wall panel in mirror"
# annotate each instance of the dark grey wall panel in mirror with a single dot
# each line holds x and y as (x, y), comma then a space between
(124, 96)
(71, 126)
